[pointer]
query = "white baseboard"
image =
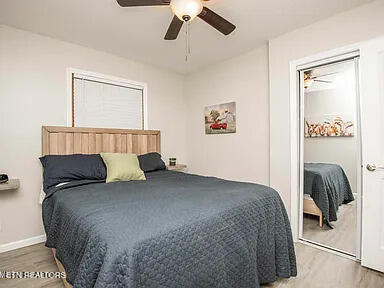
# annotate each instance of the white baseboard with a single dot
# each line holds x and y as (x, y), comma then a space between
(22, 243)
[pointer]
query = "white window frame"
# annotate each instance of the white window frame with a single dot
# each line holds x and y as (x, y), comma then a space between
(107, 79)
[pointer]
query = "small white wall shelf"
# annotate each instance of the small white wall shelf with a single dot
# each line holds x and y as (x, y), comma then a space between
(177, 167)
(12, 184)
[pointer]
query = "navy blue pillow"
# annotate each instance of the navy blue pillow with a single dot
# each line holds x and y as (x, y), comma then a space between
(66, 168)
(151, 162)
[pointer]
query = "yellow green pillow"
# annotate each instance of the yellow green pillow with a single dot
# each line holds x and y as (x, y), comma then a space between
(122, 167)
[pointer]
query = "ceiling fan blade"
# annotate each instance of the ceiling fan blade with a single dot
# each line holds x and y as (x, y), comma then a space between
(323, 81)
(216, 21)
(134, 3)
(174, 29)
(323, 75)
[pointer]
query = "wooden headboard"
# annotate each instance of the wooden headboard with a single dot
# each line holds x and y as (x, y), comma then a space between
(73, 140)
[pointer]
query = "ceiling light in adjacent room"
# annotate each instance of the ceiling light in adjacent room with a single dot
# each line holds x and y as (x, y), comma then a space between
(308, 83)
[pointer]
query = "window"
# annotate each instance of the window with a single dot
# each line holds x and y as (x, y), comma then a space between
(106, 102)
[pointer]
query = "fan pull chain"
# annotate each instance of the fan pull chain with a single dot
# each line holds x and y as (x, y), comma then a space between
(187, 42)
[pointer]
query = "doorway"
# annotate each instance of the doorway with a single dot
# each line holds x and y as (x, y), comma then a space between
(330, 155)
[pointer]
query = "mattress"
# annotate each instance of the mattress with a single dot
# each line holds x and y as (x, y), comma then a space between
(328, 186)
(173, 230)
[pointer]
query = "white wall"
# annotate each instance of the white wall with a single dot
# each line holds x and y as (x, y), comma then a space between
(339, 100)
(33, 93)
(353, 26)
(241, 156)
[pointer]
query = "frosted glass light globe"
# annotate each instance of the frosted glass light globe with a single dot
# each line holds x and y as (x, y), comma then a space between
(186, 10)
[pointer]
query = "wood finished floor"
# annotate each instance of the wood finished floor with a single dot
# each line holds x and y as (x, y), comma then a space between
(342, 237)
(316, 268)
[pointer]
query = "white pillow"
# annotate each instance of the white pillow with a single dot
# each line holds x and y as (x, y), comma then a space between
(42, 193)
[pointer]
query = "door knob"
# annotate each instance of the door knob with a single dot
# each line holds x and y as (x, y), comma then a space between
(371, 167)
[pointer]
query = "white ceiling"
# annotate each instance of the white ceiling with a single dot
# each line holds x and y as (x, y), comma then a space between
(137, 33)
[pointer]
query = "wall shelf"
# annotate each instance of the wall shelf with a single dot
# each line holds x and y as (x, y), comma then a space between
(177, 167)
(12, 184)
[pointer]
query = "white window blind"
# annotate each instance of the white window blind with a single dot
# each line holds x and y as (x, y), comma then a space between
(103, 103)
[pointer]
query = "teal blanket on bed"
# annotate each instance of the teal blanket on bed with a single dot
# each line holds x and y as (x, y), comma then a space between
(173, 230)
(329, 187)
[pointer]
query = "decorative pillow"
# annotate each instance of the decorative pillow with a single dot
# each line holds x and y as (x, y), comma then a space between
(122, 167)
(65, 168)
(151, 162)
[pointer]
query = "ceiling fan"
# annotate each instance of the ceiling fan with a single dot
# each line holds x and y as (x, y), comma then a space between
(309, 78)
(185, 11)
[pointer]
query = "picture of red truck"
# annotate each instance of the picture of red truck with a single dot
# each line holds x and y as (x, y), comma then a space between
(219, 126)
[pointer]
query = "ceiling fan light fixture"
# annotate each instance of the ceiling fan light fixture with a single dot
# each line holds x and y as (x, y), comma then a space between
(308, 83)
(186, 10)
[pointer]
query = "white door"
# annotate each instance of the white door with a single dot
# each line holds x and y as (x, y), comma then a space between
(372, 124)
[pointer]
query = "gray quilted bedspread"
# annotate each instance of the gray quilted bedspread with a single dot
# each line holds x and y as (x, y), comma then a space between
(329, 187)
(173, 230)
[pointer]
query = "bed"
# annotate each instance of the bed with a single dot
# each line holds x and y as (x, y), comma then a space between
(326, 187)
(172, 230)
